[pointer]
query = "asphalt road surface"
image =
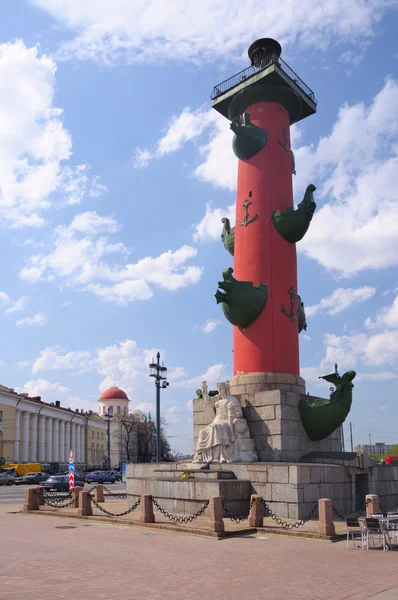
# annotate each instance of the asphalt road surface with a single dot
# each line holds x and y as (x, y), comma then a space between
(15, 494)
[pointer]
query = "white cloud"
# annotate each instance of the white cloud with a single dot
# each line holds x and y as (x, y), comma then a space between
(387, 317)
(123, 363)
(355, 168)
(357, 165)
(23, 364)
(185, 127)
(2, 363)
(12, 306)
(144, 407)
(341, 299)
(79, 259)
(382, 376)
(210, 227)
(212, 30)
(19, 304)
(213, 374)
(91, 223)
(209, 326)
(37, 320)
(50, 359)
(4, 298)
(176, 373)
(34, 144)
(50, 392)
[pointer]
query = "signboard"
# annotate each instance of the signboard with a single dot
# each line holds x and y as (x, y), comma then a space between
(124, 464)
(71, 471)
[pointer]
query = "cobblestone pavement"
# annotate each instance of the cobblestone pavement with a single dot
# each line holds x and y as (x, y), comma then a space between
(117, 562)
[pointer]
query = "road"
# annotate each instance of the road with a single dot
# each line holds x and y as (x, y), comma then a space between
(15, 494)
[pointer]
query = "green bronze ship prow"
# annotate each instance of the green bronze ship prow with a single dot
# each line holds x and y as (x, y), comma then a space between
(293, 224)
(322, 417)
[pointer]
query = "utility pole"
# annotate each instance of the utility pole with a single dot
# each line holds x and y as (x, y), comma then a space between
(352, 443)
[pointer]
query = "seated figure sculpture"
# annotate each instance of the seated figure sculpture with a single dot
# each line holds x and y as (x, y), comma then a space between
(227, 437)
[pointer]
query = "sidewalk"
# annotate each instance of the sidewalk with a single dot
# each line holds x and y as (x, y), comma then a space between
(95, 560)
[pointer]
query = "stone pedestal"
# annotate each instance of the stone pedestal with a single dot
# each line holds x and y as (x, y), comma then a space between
(270, 405)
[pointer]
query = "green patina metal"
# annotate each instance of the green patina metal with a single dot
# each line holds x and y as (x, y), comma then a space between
(321, 417)
(302, 320)
(293, 315)
(228, 235)
(247, 220)
(248, 139)
(286, 146)
(211, 393)
(293, 224)
(241, 301)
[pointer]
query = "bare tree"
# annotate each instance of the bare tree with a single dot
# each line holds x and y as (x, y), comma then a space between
(137, 435)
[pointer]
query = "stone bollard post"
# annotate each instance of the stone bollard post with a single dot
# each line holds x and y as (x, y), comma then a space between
(256, 514)
(75, 495)
(325, 523)
(216, 522)
(99, 493)
(147, 515)
(31, 500)
(40, 494)
(85, 508)
(372, 505)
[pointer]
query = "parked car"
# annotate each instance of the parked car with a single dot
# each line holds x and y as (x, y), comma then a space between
(6, 479)
(56, 483)
(100, 477)
(32, 478)
(80, 477)
(117, 475)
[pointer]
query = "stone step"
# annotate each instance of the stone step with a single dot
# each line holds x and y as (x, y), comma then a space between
(197, 473)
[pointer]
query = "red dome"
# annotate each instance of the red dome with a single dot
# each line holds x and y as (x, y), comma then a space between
(114, 393)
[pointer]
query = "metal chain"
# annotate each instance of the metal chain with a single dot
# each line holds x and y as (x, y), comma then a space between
(338, 513)
(57, 501)
(237, 519)
(358, 513)
(177, 519)
(122, 514)
(122, 496)
(285, 524)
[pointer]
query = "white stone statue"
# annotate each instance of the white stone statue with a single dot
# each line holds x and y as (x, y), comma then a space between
(227, 437)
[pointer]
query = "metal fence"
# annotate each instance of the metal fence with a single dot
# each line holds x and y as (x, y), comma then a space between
(235, 80)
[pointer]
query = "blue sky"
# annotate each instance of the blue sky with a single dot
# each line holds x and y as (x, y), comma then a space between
(115, 173)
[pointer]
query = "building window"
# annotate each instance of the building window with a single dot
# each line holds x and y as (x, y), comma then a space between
(110, 410)
(118, 409)
(92, 434)
(97, 435)
(125, 410)
(1, 416)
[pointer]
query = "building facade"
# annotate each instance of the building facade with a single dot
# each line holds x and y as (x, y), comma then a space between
(33, 431)
(377, 448)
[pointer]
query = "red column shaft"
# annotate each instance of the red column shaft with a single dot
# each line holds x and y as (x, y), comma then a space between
(261, 254)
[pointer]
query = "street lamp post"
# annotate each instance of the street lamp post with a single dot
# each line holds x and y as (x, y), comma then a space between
(108, 417)
(159, 372)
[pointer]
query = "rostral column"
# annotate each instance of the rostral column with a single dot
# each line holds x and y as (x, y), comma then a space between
(259, 295)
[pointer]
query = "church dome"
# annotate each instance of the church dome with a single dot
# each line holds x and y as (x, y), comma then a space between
(114, 393)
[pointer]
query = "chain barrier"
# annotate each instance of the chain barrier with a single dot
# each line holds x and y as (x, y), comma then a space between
(358, 513)
(285, 524)
(110, 514)
(177, 519)
(237, 519)
(57, 501)
(121, 496)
